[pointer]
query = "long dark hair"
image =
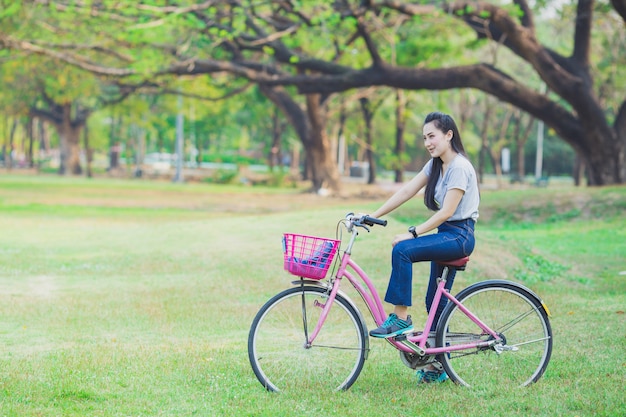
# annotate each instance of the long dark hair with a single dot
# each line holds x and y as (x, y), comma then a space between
(444, 123)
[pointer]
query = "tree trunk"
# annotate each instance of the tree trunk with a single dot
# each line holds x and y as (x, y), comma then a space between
(30, 127)
(68, 127)
(579, 171)
(323, 168)
(484, 148)
(310, 126)
(114, 145)
(607, 165)
(400, 127)
(520, 143)
(5, 142)
(369, 153)
(69, 135)
(43, 139)
(88, 151)
(499, 144)
(494, 155)
(341, 140)
(11, 150)
(275, 155)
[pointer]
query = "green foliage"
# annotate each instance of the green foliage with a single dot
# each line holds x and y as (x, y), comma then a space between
(429, 42)
(390, 161)
(558, 157)
(513, 209)
(12, 9)
(536, 268)
(230, 158)
(279, 178)
(223, 176)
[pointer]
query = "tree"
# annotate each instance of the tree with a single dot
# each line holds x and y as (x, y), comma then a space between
(572, 109)
(284, 43)
(240, 34)
(52, 91)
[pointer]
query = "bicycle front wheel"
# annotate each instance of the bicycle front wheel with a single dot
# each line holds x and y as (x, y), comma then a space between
(282, 357)
(520, 319)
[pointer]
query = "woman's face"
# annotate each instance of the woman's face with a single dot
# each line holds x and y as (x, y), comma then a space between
(436, 142)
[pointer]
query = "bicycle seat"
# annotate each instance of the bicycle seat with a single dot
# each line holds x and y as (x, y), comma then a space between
(459, 264)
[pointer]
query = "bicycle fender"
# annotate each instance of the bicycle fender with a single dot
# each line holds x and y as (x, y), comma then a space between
(326, 285)
(539, 302)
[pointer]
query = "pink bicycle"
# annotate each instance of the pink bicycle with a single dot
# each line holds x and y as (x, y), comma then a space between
(313, 335)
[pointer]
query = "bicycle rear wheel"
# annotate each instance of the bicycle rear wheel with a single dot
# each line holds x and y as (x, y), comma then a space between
(278, 348)
(521, 320)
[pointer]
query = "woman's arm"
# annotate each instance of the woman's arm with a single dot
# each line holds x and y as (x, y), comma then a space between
(450, 203)
(401, 196)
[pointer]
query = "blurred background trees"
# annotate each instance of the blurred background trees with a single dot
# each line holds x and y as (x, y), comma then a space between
(323, 88)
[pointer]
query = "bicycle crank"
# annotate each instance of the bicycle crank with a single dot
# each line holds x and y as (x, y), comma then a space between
(505, 348)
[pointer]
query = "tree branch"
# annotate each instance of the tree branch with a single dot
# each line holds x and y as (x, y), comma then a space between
(371, 45)
(78, 47)
(481, 76)
(620, 121)
(78, 61)
(273, 37)
(406, 8)
(158, 89)
(582, 35)
(620, 8)
(290, 108)
(527, 18)
(560, 74)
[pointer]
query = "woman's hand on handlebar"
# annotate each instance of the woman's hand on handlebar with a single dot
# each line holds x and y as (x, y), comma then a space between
(361, 219)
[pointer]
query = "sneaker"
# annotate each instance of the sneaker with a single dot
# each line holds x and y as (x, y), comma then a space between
(431, 376)
(393, 326)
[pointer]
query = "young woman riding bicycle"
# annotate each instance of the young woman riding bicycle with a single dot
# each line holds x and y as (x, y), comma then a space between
(452, 193)
(493, 333)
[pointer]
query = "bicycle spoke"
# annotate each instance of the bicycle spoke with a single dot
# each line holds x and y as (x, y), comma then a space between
(513, 322)
(543, 339)
(337, 347)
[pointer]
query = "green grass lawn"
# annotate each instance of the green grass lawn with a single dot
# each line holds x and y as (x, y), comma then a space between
(132, 298)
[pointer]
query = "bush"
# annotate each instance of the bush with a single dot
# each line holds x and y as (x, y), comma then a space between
(222, 176)
(230, 159)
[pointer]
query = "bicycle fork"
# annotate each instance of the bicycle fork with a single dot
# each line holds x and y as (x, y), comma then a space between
(320, 322)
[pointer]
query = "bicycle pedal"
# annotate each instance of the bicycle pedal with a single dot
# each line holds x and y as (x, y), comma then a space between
(402, 336)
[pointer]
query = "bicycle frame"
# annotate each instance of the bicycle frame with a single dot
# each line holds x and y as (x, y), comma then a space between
(410, 343)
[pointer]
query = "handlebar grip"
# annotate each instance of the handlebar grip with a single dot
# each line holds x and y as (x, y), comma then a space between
(371, 221)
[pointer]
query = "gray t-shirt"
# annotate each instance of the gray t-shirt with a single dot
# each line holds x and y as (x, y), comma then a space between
(460, 174)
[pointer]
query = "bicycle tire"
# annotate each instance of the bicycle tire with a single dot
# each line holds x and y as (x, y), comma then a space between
(514, 312)
(277, 343)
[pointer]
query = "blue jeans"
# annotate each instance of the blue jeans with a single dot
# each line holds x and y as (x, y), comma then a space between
(453, 240)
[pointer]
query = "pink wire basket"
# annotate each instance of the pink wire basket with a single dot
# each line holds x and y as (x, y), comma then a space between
(308, 256)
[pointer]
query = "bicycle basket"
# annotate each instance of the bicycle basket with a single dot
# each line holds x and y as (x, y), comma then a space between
(308, 256)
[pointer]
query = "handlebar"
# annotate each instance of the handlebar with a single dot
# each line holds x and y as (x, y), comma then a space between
(352, 222)
(371, 221)
(364, 220)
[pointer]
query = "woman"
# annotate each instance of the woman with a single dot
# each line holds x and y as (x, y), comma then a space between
(452, 193)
